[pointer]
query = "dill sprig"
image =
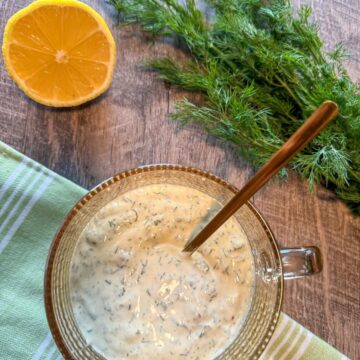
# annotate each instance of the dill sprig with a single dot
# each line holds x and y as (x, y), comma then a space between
(262, 72)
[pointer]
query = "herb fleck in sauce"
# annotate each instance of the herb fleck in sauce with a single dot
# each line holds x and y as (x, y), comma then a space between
(136, 295)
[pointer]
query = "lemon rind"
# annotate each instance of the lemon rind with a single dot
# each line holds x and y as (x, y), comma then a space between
(51, 102)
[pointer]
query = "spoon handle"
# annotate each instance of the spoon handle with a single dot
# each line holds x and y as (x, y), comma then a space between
(306, 132)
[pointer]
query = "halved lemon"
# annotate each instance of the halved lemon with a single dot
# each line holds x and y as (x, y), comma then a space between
(60, 52)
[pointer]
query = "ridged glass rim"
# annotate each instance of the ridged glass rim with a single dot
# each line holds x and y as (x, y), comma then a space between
(49, 309)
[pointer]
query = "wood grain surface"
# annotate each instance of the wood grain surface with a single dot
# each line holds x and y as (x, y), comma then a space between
(129, 126)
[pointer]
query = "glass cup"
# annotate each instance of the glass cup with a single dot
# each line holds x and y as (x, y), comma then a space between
(272, 265)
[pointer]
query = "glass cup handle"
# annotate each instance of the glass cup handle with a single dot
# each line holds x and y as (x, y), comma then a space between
(299, 262)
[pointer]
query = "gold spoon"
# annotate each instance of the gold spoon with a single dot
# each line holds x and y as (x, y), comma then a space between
(306, 132)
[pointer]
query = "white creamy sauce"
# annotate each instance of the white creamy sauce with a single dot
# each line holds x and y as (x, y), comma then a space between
(136, 295)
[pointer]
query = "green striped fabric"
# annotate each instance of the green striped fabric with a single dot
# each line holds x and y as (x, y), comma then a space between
(33, 203)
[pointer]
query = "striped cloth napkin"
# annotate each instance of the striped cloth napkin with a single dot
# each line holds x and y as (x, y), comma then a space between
(33, 203)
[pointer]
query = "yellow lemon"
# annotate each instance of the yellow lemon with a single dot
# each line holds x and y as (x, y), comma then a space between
(60, 52)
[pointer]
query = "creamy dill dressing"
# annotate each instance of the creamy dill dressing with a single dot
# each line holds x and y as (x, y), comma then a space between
(135, 295)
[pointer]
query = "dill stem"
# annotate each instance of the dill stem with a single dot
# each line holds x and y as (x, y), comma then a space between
(290, 92)
(221, 55)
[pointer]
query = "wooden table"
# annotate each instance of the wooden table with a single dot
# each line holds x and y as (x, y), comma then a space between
(129, 126)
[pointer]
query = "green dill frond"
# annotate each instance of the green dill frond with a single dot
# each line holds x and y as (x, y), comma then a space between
(262, 71)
